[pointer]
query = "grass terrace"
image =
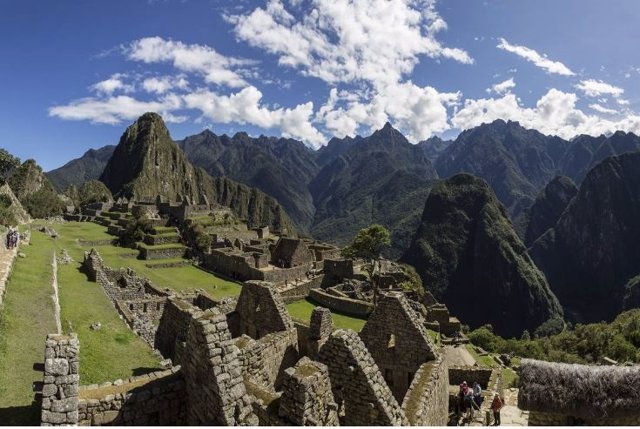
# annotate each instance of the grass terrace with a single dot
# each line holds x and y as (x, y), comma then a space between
(26, 317)
(175, 278)
(301, 310)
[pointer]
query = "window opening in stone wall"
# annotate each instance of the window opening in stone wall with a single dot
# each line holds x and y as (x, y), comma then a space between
(388, 376)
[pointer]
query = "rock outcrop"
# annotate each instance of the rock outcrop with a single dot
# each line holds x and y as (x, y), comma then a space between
(10, 208)
(592, 252)
(469, 257)
(34, 190)
(147, 163)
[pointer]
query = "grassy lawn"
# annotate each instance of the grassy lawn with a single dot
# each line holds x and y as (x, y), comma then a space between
(176, 278)
(107, 354)
(481, 360)
(509, 378)
(301, 310)
(25, 321)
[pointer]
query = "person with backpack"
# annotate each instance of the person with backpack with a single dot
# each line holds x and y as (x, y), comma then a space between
(496, 406)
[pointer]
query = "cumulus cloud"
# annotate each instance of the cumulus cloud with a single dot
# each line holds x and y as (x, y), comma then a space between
(375, 41)
(597, 88)
(599, 108)
(555, 113)
(539, 60)
(162, 84)
(204, 60)
(115, 109)
(502, 87)
(114, 83)
(418, 111)
(245, 107)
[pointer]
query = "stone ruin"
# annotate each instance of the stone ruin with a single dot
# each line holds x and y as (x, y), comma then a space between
(245, 361)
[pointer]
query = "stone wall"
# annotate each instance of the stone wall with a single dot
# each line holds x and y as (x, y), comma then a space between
(265, 360)
(398, 342)
(307, 399)
(470, 374)
(157, 398)
(297, 291)
(173, 329)
(142, 315)
(4, 274)
(338, 268)
(352, 307)
(361, 393)
(61, 380)
(261, 310)
(150, 253)
(427, 400)
(213, 374)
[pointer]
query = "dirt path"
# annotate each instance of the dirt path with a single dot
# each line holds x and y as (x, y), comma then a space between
(459, 356)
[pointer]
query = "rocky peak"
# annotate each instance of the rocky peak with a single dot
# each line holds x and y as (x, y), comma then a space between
(470, 257)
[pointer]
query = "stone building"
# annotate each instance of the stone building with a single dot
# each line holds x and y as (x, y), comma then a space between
(291, 252)
(245, 361)
(398, 342)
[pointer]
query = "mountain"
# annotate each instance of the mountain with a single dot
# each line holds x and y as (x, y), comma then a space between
(34, 190)
(548, 207)
(433, 147)
(281, 168)
(381, 179)
(586, 152)
(147, 163)
(515, 161)
(80, 170)
(591, 254)
(470, 257)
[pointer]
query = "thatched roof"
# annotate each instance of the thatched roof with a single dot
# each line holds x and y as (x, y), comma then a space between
(584, 391)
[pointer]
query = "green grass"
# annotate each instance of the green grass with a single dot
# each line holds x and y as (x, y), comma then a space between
(159, 230)
(161, 246)
(435, 336)
(107, 354)
(25, 321)
(486, 360)
(176, 278)
(509, 378)
(301, 310)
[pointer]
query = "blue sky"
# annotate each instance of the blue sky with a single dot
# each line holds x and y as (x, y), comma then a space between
(74, 74)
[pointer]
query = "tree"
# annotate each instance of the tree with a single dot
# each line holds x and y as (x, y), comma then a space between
(368, 244)
(7, 163)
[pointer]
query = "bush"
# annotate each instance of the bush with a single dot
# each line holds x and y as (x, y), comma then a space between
(135, 232)
(7, 217)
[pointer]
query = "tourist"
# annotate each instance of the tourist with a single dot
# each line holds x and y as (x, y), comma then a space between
(461, 393)
(496, 406)
(469, 404)
(477, 394)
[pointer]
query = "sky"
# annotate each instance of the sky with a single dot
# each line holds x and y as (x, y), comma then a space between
(75, 74)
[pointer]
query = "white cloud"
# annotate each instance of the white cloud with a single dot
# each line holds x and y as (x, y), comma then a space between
(418, 112)
(599, 108)
(162, 84)
(204, 60)
(622, 101)
(502, 87)
(115, 109)
(537, 59)
(596, 88)
(375, 41)
(112, 84)
(555, 113)
(245, 107)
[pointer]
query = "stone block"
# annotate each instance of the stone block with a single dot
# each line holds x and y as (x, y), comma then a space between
(56, 366)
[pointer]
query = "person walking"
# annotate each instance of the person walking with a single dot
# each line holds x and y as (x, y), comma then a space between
(496, 406)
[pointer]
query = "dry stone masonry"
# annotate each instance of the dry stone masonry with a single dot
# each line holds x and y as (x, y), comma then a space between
(61, 380)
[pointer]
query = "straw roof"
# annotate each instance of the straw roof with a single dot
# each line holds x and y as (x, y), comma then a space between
(584, 391)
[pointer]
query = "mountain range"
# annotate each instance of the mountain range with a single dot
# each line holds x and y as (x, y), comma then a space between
(532, 198)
